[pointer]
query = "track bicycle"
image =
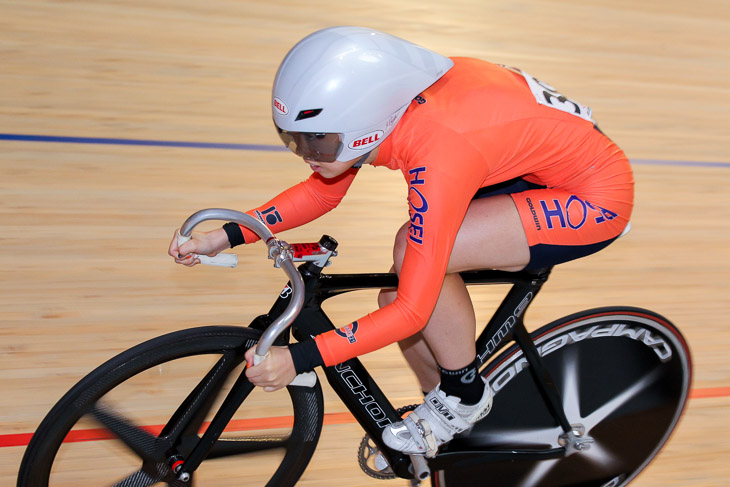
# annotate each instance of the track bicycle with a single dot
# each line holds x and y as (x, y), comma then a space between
(587, 400)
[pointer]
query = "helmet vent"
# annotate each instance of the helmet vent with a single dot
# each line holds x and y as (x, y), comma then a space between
(305, 114)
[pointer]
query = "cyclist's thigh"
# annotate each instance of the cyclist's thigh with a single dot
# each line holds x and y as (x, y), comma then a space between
(524, 225)
(562, 226)
(490, 237)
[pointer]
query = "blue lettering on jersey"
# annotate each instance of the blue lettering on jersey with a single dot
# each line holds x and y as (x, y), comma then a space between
(606, 215)
(418, 206)
(269, 216)
(557, 214)
(553, 213)
(582, 206)
(348, 331)
(534, 214)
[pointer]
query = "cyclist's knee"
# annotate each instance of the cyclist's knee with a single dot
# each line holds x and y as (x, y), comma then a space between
(399, 246)
(386, 296)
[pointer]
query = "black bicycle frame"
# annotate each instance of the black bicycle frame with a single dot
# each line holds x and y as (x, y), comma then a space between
(360, 393)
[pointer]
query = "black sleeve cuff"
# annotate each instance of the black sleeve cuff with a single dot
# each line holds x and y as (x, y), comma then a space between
(235, 235)
(306, 356)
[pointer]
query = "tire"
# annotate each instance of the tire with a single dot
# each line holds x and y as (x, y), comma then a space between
(623, 373)
(153, 384)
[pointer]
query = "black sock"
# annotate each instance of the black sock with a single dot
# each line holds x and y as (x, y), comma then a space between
(465, 383)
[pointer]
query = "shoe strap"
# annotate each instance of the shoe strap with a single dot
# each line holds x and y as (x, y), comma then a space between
(421, 433)
(451, 420)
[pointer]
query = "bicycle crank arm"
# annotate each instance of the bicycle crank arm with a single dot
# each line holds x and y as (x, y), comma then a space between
(420, 467)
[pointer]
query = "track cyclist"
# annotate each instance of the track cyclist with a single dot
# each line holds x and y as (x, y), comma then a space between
(503, 172)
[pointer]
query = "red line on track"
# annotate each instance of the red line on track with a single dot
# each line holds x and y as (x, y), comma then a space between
(237, 425)
(709, 392)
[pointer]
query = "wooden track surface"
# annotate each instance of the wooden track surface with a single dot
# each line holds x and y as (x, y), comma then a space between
(84, 228)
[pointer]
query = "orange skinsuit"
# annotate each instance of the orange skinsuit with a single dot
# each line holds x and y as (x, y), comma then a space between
(478, 125)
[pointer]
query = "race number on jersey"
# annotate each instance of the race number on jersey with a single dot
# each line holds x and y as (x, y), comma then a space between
(548, 96)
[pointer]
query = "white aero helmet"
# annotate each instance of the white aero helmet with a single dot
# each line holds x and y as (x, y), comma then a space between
(341, 91)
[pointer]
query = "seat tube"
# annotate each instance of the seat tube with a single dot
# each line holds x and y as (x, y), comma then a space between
(507, 316)
(508, 322)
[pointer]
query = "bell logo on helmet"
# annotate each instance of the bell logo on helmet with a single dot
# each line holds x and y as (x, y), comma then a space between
(280, 106)
(366, 141)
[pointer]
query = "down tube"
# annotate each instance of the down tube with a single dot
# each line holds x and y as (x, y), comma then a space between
(355, 387)
(350, 379)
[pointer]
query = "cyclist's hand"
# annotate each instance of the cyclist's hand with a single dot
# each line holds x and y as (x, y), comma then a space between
(275, 372)
(201, 243)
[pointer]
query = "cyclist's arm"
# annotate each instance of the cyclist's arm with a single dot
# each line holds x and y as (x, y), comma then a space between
(439, 198)
(296, 206)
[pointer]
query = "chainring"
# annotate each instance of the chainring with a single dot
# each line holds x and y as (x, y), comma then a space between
(368, 453)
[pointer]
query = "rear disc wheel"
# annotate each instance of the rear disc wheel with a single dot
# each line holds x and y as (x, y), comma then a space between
(624, 376)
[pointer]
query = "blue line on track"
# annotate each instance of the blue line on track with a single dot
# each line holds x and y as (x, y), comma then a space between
(261, 147)
(658, 162)
(156, 143)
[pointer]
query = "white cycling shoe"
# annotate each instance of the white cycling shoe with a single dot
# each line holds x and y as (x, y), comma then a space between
(435, 422)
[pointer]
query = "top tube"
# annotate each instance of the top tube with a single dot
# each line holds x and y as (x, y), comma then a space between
(341, 283)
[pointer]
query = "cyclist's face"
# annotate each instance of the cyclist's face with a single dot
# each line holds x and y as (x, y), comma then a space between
(329, 170)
